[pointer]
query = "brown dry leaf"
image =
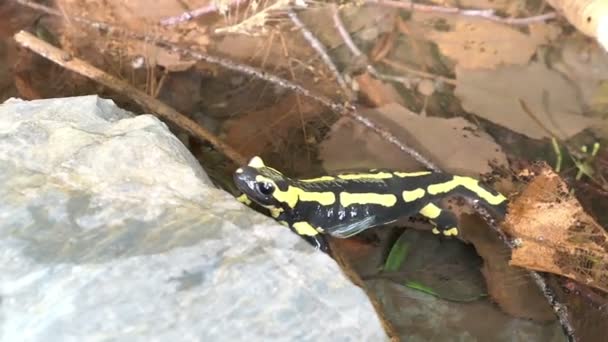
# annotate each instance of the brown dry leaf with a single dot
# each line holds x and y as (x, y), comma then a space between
(455, 144)
(496, 94)
(555, 234)
(509, 286)
(477, 44)
(376, 92)
(253, 132)
(588, 16)
(586, 65)
(337, 152)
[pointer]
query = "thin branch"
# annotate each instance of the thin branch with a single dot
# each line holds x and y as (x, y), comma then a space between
(421, 74)
(201, 11)
(320, 49)
(344, 34)
(487, 14)
(354, 49)
(164, 111)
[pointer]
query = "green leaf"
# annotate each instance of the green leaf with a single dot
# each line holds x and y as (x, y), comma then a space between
(421, 287)
(397, 255)
(425, 289)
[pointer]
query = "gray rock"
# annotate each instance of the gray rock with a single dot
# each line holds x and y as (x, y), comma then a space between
(111, 231)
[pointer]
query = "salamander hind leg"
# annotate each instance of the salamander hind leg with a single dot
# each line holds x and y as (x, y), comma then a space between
(445, 222)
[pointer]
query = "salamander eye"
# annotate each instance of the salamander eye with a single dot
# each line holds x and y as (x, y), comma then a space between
(265, 188)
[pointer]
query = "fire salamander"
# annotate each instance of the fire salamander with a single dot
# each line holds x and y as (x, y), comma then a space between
(345, 204)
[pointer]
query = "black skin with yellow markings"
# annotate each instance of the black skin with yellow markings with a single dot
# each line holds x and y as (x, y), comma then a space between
(345, 204)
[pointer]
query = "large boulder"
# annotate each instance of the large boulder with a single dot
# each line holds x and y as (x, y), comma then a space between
(111, 231)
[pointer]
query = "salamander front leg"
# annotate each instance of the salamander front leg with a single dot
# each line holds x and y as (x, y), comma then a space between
(310, 234)
(318, 241)
(445, 222)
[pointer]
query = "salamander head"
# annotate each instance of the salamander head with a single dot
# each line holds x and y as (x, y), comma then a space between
(259, 182)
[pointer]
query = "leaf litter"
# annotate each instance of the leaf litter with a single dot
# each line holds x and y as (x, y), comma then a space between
(449, 142)
(497, 94)
(479, 44)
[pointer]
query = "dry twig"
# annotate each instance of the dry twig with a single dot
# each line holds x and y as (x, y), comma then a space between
(487, 14)
(164, 111)
(320, 49)
(354, 49)
(199, 12)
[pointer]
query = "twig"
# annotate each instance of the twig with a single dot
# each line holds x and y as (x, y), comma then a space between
(81, 67)
(487, 14)
(339, 25)
(208, 9)
(393, 140)
(320, 49)
(248, 70)
(354, 49)
(421, 74)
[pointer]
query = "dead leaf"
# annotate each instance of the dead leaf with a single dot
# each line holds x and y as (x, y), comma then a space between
(455, 144)
(509, 286)
(378, 93)
(337, 153)
(476, 44)
(250, 137)
(586, 65)
(495, 95)
(555, 234)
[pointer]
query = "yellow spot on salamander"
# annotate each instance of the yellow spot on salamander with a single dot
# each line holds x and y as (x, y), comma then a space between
(355, 176)
(469, 183)
(435, 231)
(244, 199)
(430, 210)
(284, 223)
(304, 228)
(318, 179)
(256, 162)
(451, 232)
(412, 174)
(323, 198)
(293, 194)
(412, 195)
(239, 170)
(387, 200)
(275, 212)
